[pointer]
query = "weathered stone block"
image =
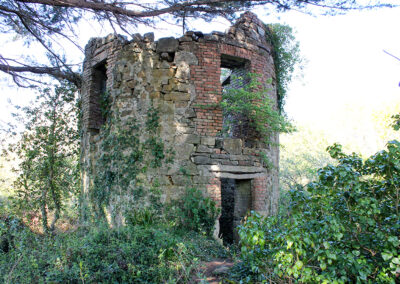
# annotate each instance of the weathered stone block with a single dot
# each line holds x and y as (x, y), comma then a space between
(177, 97)
(211, 37)
(245, 163)
(220, 156)
(238, 157)
(167, 44)
(181, 104)
(183, 151)
(189, 168)
(167, 88)
(185, 39)
(187, 138)
(182, 87)
(210, 141)
(148, 37)
(203, 149)
(180, 180)
(223, 162)
(248, 151)
(201, 160)
(160, 73)
(186, 58)
(261, 31)
(161, 180)
(200, 180)
(234, 169)
(167, 108)
(233, 145)
(165, 65)
(190, 113)
(155, 95)
(183, 72)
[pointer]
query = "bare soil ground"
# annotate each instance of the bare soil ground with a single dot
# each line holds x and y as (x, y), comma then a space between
(214, 271)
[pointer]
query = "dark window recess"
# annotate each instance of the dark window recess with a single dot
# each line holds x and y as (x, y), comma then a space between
(234, 75)
(98, 107)
(100, 78)
(235, 202)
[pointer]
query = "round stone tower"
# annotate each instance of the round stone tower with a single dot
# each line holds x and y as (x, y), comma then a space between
(174, 83)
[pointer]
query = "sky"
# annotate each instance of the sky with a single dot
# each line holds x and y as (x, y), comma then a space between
(346, 79)
(346, 63)
(349, 82)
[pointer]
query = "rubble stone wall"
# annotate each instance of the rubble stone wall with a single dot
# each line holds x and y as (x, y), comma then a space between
(181, 77)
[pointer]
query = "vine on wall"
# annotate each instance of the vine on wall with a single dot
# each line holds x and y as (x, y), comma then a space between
(286, 55)
(124, 158)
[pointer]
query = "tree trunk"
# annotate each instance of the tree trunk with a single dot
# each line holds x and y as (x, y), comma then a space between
(44, 211)
(51, 185)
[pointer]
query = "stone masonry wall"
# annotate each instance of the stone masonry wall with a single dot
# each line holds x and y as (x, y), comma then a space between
(181, 77)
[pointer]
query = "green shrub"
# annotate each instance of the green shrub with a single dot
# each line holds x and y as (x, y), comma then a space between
(143, 217)
(251, 106)
(342, 228)
(131, 254)
(195, 212)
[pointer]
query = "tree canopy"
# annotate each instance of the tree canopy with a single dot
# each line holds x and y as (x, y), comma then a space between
(50, 23)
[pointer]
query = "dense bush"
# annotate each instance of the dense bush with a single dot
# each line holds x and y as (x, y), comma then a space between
(194, 212)
(151, 248)
(131, 254)
(342, 228)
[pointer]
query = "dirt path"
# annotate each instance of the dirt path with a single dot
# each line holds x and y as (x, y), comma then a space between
(214, 271)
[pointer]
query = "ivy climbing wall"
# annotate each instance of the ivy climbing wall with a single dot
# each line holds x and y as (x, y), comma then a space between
(152, 124)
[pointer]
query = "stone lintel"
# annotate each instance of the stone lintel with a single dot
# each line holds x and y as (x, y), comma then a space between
(235, 169)
(239, 176)
(99, 58)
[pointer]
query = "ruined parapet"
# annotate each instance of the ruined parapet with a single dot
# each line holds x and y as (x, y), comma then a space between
(181, 78)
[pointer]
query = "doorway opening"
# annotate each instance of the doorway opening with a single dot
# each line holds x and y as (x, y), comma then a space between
(235, 203)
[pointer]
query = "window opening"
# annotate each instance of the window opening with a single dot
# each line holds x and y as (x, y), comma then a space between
(100, 78)
(99, 87)
(234, 72)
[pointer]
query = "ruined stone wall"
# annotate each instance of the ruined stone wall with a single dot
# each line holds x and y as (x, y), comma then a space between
(181, 78)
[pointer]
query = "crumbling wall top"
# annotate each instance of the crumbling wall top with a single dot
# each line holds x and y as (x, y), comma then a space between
(248, 32)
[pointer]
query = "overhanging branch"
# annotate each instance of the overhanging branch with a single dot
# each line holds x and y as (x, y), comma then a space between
(209, 6)
(39, 70)
(119, 7)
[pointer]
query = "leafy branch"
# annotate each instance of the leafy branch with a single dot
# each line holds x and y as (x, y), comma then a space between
(250, 112)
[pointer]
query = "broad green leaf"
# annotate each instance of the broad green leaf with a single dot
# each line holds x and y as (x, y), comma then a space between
(386, 255)
(298, 265)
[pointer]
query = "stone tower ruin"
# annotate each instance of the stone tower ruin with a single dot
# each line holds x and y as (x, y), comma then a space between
(181, 79)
